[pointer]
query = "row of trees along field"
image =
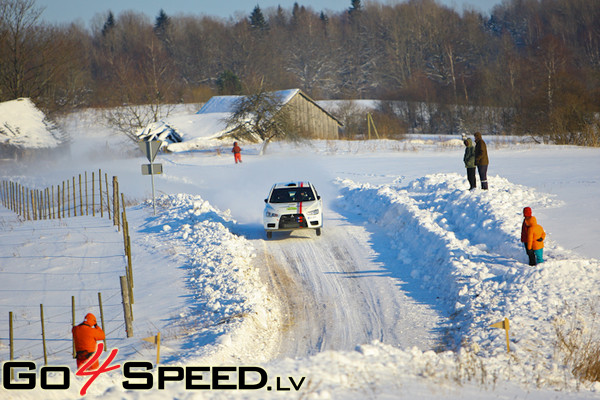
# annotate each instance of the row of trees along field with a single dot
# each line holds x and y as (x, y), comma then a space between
(531, 67)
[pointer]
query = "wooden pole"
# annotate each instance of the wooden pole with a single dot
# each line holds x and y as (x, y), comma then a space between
(11, 340)
(126, 306)
(68, 199)
(43, 334)
(53, 208)
(102, 318)
(100, 190)
(107, 195)
(86, 195)
(115, 200)
(157, 348)
(73, 323)
(58, 201)
(28, 196)
(33, 212)
(63, 199)
(93, 198)
(50, 204)
(74, 199)
(80, 197)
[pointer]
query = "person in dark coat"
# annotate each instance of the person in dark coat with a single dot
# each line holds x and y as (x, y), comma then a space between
(85, 336)
(481, 160)
(469, 160)
(237, 152)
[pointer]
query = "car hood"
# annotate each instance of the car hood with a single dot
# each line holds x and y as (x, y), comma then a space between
(289, 208)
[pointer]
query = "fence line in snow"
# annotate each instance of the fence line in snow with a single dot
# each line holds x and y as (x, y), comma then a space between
(59, 202)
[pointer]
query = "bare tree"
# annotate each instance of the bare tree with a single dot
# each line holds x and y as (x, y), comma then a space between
(143, 83)
(262, 117)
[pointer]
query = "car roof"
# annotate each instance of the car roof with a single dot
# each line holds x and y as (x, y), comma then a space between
(291, 184)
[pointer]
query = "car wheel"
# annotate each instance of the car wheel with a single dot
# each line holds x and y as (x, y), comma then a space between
(318, 231)
(269, 235)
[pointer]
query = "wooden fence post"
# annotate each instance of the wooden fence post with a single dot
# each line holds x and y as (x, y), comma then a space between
(68, 199)
(93, 198)
(86, 195)
(50, 204)
(74, 199)
(115, 200)
(33, 205)
(102, 318)
(43, 334)
(107, 195)
(58, 200)
(100, 190)
(53, 204)
(80, 197)
(73, 323)
(11, 340)
(126, 306)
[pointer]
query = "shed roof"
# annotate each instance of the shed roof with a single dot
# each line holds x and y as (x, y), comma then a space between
(227, 104)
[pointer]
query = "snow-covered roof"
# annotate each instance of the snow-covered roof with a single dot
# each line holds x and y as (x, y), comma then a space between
(185, 132)
(23, 125)
(226, 104)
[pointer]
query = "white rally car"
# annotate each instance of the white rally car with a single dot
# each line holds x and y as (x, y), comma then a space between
(291, 206)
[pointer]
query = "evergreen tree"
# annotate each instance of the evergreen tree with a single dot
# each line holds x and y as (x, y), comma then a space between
(257, 19)
(355, 8)
(109, 24)
(162, 24)
(229, 83)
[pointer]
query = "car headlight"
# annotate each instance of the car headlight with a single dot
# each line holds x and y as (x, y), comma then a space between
(270, 214)
(313, 212)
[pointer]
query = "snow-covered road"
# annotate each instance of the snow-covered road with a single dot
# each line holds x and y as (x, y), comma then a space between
(338, 294)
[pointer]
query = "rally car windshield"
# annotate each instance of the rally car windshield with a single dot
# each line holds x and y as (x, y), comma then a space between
(292, 195)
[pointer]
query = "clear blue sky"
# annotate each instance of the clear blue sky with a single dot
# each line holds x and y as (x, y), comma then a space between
(60, 11)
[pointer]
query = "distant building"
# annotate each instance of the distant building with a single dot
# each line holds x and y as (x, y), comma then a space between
(306, 114)
(25, 131)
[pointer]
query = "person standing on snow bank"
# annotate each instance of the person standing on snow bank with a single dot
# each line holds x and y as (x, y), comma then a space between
(535, 241)
(469, 159)
(525, 234)
(481, 160)
(85, 336)
(237, 152)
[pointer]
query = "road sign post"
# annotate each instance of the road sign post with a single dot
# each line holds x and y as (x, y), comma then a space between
(150, 149)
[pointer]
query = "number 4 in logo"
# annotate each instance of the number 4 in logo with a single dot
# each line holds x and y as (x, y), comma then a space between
(83, 371)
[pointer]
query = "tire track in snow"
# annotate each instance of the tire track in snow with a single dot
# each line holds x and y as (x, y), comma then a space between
(338, 295)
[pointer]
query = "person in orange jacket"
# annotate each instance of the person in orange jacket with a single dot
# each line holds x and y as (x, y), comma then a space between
(535, 241)
(85, 336)
(237, 152)
(524, 232)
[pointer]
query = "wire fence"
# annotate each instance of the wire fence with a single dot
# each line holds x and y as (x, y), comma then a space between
(77, 196)
(80, 195)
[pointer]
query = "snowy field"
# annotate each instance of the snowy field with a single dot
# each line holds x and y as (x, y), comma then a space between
(394, 300)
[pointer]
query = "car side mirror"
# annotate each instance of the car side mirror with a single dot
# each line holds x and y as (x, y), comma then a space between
(265, 200)
(318, 197)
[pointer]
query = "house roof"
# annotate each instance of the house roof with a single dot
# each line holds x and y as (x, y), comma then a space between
(227, 104)
(23, 125)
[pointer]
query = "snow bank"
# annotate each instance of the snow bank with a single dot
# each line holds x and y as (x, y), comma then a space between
(465, 246)
(230, 312)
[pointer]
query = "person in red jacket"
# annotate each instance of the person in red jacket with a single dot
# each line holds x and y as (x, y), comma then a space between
(524, 231)
(237, 152)
(85, 336)
(535, 241)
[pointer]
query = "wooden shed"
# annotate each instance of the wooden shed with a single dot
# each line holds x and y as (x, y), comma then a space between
(313, 120)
